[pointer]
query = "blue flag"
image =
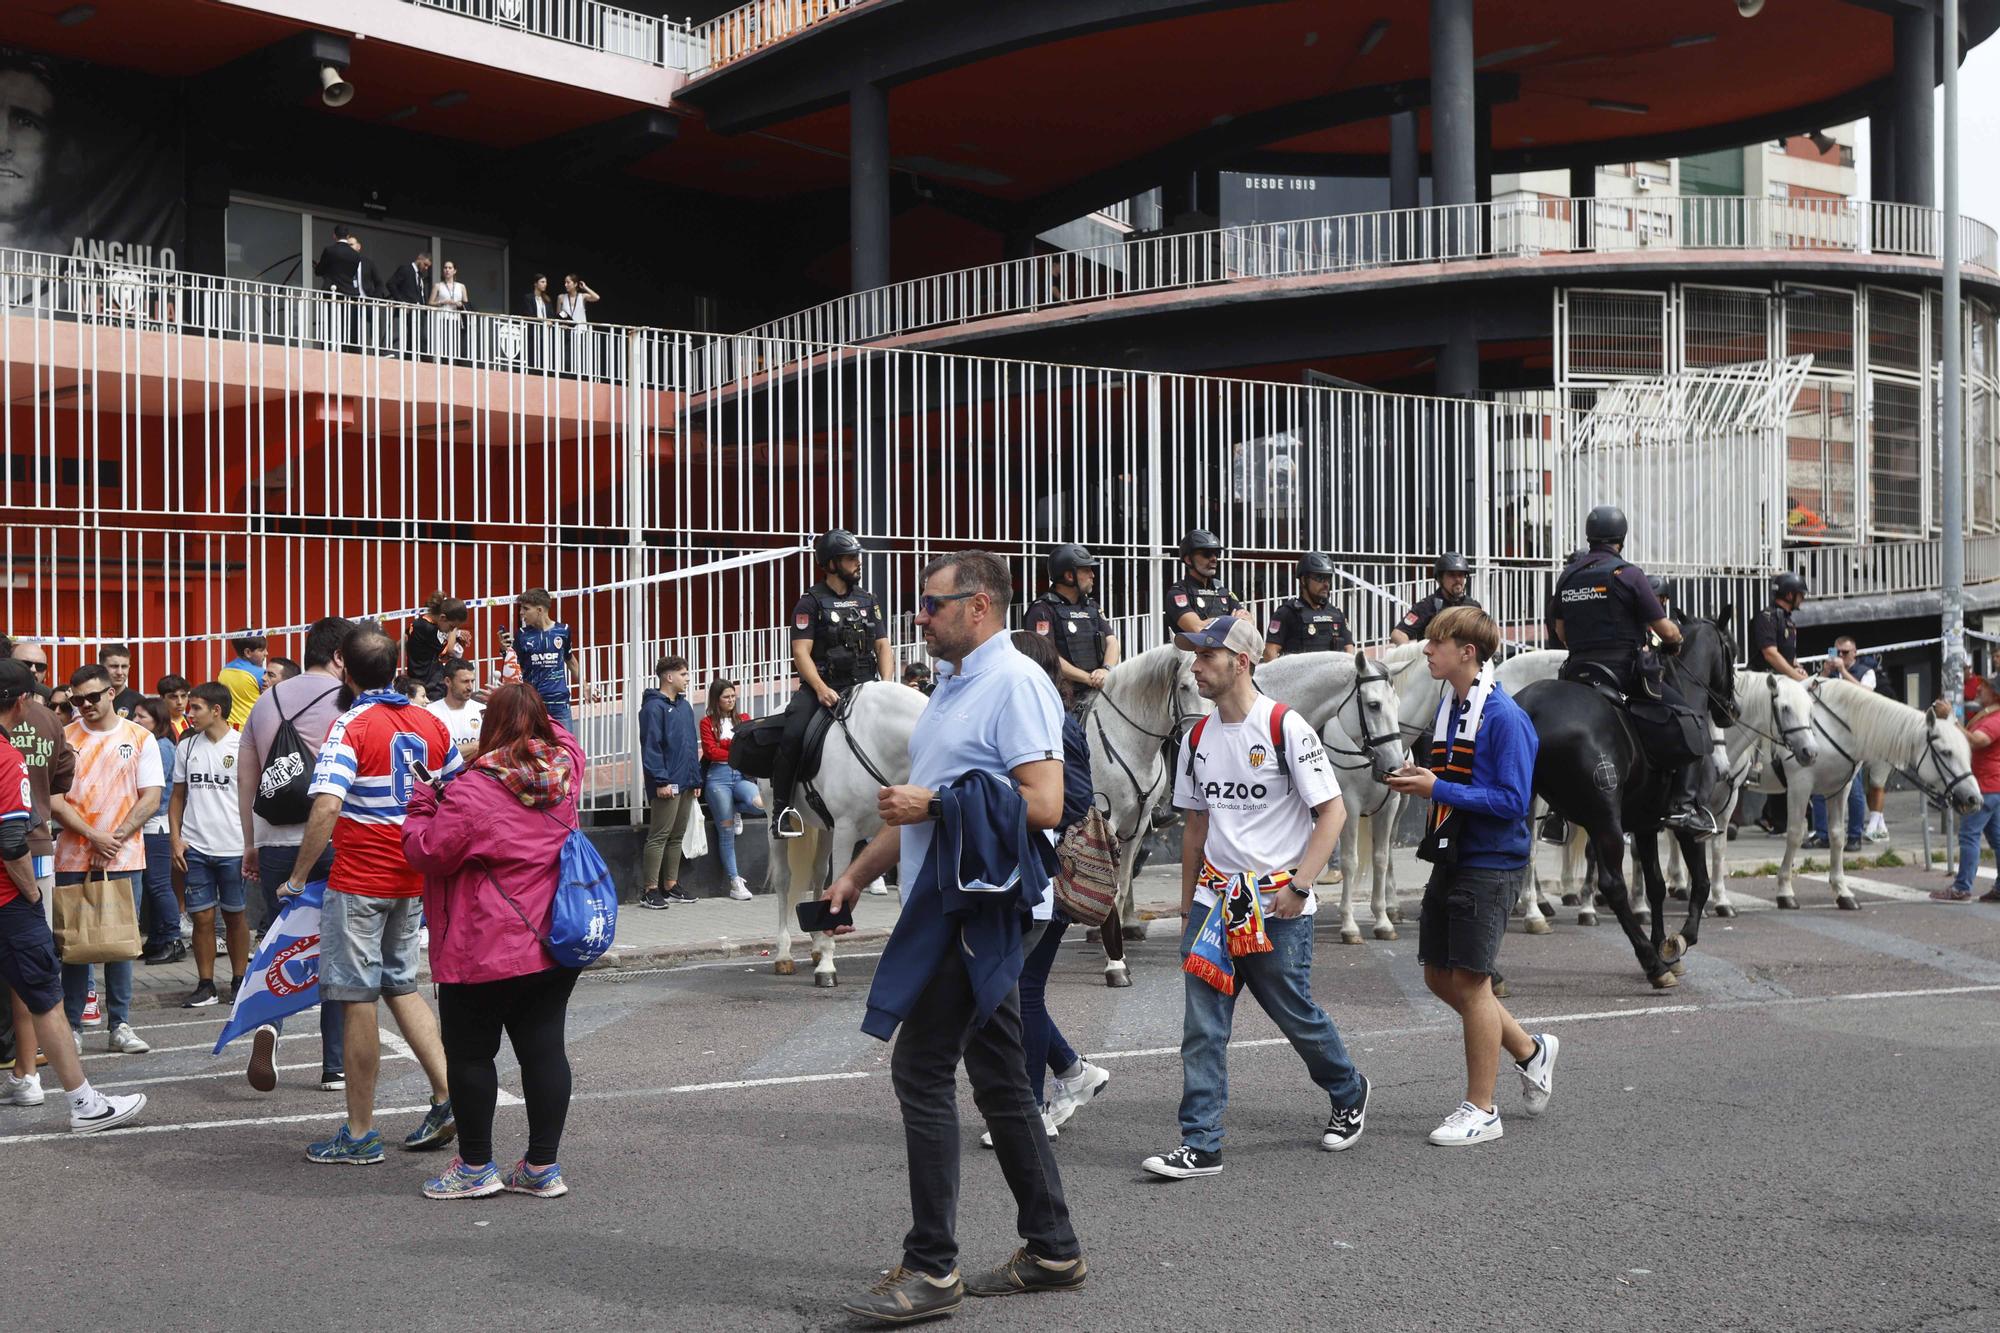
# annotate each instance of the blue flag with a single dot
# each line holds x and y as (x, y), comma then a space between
(284, 976)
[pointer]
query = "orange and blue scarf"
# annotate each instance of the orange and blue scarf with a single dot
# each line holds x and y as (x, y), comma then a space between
(1235, 925)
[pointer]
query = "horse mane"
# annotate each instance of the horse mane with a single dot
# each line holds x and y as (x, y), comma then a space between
(1153, 675)
(1882, 725)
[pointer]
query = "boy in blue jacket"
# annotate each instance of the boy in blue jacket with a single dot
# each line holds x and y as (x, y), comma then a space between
(670, 754)
(1481, 781)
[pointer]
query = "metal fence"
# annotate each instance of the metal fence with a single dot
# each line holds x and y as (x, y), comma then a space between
(586, 23)
(189, 457)
(1358, 241)
(749, 28)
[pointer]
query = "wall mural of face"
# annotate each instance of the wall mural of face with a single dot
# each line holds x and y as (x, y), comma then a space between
(27, 112)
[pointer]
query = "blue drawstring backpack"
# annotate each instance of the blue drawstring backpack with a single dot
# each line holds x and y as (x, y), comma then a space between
(584, 917)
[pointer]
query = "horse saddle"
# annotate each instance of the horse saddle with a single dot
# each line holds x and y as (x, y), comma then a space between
(1600, 677)
(754, 752)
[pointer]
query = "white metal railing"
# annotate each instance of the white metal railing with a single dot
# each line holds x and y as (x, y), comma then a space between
(586, 23)
(1358, 241)
(749, 28)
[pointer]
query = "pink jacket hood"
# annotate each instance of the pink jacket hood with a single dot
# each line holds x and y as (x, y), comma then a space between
(478, 847)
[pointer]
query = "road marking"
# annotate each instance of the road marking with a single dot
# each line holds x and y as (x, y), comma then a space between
(848, 1076)
(235, 1071)
(1901, 893)
(203, 1046)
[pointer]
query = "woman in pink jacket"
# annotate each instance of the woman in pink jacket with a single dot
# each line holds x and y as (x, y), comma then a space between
(489, 844)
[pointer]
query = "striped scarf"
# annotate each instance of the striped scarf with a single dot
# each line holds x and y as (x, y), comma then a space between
(1234, 927)
(1451, 760)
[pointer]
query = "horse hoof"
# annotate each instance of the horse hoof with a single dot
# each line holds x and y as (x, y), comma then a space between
(784, 967)
(1572, 900)
(1586, 918)
(1675, 946)
(1117, 977)
(1846, 903)
(1500, 991)
(1678, 968)
(1677, 891)
(1789, 903)
(1350, 935)
(1385, 932)
(1396, 915)
(1539, 926)
(1666, 980)
(826, 980)
(1724, 909)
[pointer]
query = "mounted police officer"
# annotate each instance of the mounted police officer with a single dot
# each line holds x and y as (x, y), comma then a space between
(1068, 616)
(1309, 622)
(1198, 597)
(839, 640)
(1452, 571)
(1607, 606)
(1774, 639)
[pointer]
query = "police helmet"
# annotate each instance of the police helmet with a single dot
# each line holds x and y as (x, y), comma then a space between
(1606, 524)
(835, 543)
(1200, 539)
(1451, 562)
(1663, 588)
(1313, 565)
(1789, 583)
(1067, 559)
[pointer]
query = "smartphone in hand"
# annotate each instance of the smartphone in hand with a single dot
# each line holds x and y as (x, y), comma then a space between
(819, 917)
(422, 773)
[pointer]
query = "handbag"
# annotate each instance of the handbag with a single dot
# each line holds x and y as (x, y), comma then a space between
(694, 844)
(1086, 879)
(97, 921)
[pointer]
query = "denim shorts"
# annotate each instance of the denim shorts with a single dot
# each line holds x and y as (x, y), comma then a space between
(1464, 917)
(368, 946)
(28, 955)
(214, 878)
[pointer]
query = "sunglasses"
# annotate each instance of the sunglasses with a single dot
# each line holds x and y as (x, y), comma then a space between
(86, 700)
(37, 667)
(932, 602)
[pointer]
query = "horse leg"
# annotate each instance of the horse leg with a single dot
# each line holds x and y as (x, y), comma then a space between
(1690, 931)
(1383, 826)
(1609, 844)
(1112, 934)
(1572, 854)
(1376, 854)
(1350, 933)
(1532, 917)
(1635, 875)
(1718, 860)
(1794, 835)
(1646, 851)
(787, 884)
(1836, 843)
(839, 854)
(1676, 868)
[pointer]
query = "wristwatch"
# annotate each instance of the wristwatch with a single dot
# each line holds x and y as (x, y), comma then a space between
(936, 809)
(1306, 892)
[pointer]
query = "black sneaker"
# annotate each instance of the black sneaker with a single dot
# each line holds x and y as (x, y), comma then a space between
(169, 952)
(675, 897)
(235, 988)
(1184, 1163)
(654, 899)
(904, 1296)
(1344, 1126)
(204, 996)
(1024, 1272)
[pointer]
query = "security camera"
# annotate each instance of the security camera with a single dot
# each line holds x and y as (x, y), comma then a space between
(334, 89)
(1749, 9)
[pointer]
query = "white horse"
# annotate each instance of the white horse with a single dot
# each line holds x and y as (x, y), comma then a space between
(1145, 702)
(1773, 716)
(878, 725)
(1359, 723)
(1853, 726)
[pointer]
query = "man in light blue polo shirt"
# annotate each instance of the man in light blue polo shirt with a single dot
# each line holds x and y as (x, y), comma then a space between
(996, 711)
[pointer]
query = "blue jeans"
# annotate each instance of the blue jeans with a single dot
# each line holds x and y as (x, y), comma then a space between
(160, 911)
(1857, 809)
(1281, 981)
(728, 791)
(1984, 820)
(559, 712)
(1042, 1044)
(77, 978)
(274, 867)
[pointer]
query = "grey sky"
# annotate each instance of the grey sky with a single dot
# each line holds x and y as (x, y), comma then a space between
(1978, 131)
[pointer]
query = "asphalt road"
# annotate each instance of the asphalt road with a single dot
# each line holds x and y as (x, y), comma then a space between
(1793, 1139)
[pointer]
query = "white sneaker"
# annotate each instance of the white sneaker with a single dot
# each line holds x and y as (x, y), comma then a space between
(877, 887)
(1538, 1075)
(125, 1041)
(77, 1037)
(738, 830)
(114, 1112)
(1048, 1122)
(1877, 831)
(187, 927)
(21, 1091)
(1072, 1093)
(739, 890)
(1467, 1125)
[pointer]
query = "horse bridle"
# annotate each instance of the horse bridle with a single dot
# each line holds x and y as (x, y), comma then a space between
(1146, 788)
(1939, 796)
(1784, 733)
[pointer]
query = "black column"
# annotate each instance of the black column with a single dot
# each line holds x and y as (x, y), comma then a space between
(1583, 190)
(1882, 154)
(868, 187)
(1454, 172)
(1404, 168)
(1915, 81)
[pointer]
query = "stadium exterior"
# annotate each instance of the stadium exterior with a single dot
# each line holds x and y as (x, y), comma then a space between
(965, 323)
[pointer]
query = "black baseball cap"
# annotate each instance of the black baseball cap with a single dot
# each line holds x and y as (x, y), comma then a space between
(15, 681)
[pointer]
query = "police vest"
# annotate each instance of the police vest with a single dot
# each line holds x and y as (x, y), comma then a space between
(1298, 628)
(1599, 613)
(1208, 601)
(844, 630)
(1077, 630)
(1420, 615)
(1776, 625)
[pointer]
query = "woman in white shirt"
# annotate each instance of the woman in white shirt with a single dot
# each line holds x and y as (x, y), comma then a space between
(448, 298)
(573, 307)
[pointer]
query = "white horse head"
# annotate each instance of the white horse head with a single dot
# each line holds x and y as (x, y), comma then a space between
(1146, 701)
(1860, 725)
(1775, 710)
(1369, 714)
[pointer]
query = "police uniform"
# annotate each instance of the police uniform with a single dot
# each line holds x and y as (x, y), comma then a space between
(1209, 601)
(1605, 604)
(843, 628)
(1078, 630)
(1773, 628)
(1420, 614)
(1299, 627)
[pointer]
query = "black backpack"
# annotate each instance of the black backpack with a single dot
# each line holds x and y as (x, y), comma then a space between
(284, 794)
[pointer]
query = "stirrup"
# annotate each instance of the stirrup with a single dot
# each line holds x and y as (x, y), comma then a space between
(789, 824)
(1693, 819)
(1555, 829)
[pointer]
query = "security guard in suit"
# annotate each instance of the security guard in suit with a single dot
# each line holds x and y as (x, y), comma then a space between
(1068, 616)
(1607, 607)
(1198, 597)
(1452, 571)
(1309, 622)
(1774, 639)
(839, 640)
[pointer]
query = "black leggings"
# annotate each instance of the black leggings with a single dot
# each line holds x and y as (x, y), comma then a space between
(530, 1010)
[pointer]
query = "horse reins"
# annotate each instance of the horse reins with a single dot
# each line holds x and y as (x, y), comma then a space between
(1939, 797)
(1144, 789)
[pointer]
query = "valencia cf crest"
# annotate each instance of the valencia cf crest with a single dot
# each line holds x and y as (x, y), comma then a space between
(1258, 754)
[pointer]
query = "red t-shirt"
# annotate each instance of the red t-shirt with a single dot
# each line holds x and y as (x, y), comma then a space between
(17, 802)
(1986, 762)
(367, 762)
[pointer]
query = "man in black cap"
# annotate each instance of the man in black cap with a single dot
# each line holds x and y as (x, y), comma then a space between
(1453, 572)
(1198, 597)
(839, 640)
(1309, 622)
(1069, 617)
(1606, 606)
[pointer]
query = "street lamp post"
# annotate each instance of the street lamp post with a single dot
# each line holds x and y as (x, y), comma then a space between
(1952, 562)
